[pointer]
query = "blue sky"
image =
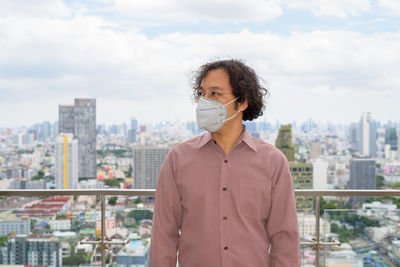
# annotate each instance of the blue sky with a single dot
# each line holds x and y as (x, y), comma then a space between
(328, 60)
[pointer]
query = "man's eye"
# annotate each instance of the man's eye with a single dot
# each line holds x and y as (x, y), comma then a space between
(215, 93)
(200, 93)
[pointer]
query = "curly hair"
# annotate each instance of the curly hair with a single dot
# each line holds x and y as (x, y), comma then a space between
(244, 82)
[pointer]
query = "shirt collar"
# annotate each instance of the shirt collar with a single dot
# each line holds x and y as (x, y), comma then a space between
(245, 137)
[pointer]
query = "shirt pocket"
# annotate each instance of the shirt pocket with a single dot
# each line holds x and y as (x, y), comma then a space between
(253, 197)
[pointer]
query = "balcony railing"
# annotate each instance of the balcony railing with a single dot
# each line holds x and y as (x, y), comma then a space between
(317, 243)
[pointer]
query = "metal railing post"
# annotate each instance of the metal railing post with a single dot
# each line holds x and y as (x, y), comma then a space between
(103, 223)
(317, 211)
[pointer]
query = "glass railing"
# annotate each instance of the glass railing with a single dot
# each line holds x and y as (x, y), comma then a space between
(112, 228)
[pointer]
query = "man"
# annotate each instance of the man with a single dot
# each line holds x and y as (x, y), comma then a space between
(225, 199)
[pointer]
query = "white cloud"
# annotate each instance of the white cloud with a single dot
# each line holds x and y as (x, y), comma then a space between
(236, 10)
(391, 7)
(331, 75)
(328, 8)
(197, 11)
(36, 8)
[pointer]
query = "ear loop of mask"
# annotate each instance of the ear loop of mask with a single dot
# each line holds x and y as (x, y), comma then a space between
(236, 112)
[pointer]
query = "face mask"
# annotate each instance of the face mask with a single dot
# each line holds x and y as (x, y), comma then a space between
(211, 114)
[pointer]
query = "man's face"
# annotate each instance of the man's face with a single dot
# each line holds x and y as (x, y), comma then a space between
(216, 86)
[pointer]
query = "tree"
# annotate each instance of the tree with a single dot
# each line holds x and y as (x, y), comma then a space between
(129, 172)
(113, 182)
(140, 215)
(76, 259)
(112, 201)
(3, 241)
(380, 181)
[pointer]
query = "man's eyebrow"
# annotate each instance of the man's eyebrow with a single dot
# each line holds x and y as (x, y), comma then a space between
(212, 88)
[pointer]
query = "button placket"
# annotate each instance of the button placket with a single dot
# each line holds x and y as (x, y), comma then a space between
(224, 211)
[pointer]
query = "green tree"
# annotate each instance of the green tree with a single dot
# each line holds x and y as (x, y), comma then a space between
(112, 201)
(3, 241)
(380, 181)
(138, 200)
(129, 172)
(113, 182)
(76, 259)
(140, 215)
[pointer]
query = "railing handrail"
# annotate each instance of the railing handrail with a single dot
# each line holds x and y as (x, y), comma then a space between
(151, 192)
(102, 193)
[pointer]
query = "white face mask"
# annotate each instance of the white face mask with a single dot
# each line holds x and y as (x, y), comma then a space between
(211, 114)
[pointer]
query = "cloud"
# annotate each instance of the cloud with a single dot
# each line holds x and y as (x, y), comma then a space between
(326, 8)
(37, 8)
(197, 11)
(47, 61)
(236, 10)
(391, 7)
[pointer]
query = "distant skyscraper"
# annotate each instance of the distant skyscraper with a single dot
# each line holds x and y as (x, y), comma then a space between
(54, 129)
(66, 162)
(45, 130)
(132, 131)
(367, 135)
(147, 165)
(362, 175)
(302, 174)
(80, 120)
(391, 138)
(134, 123)
(391, 144)
(284, 142)
(251, 126)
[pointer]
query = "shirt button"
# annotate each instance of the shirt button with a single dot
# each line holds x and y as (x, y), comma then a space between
(224, 189)
(225, 218)
(225, 161)
(226, 248)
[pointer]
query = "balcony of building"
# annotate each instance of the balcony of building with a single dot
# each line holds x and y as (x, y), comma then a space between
(112, 227)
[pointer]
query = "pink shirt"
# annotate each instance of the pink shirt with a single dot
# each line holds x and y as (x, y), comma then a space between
(222, 210)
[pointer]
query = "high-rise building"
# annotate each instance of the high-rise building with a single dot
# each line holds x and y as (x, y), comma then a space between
(251, 126)
(362, 175)
(391, 144)
(391, 138)
(66, 162)
(302, 174)
(284, 142)
(21, 250)
(80, 120)
(132, 131)
(367, 135)
(147, 163)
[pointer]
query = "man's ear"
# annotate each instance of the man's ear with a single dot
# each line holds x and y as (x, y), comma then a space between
(243, 105)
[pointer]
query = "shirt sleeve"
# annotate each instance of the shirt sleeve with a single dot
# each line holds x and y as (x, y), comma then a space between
(282, 227)
(166, 219)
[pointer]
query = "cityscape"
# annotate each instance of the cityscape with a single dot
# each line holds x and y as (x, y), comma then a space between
(95, 94)
(76, 153)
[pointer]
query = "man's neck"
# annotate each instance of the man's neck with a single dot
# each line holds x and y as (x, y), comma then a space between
(228, 136)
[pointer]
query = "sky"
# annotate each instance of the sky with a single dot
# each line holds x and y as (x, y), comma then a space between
(320, 59)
